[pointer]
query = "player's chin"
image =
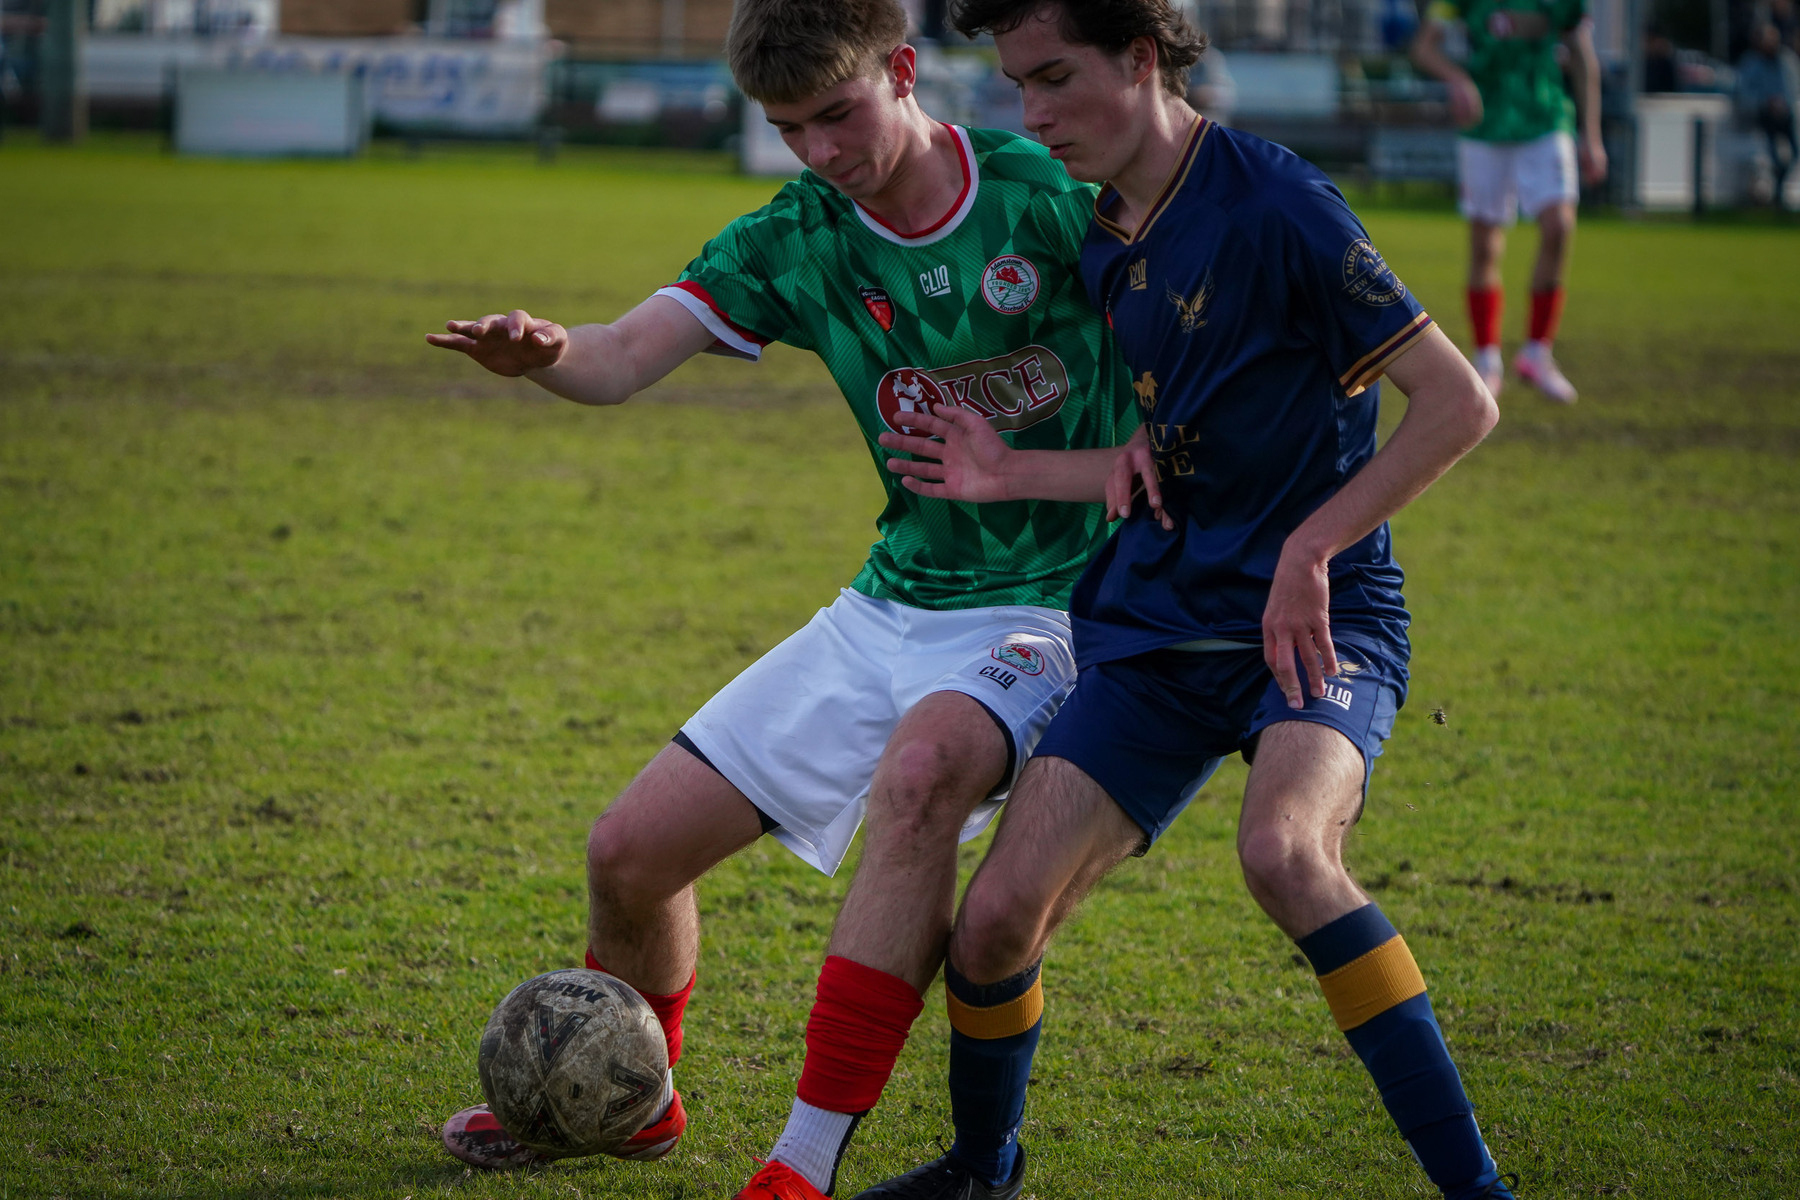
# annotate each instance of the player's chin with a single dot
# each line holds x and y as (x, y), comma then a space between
(1077, 163)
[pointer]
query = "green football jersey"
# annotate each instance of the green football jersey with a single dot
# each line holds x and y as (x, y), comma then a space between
(1512, 59)
(984, 309)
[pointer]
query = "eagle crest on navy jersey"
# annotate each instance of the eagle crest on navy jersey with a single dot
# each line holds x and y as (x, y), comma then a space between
(1192, 309)
(574, 1063)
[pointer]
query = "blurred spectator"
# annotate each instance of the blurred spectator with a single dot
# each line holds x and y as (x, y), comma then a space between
(1780, 14)
(1659, 62)
(1768, 88)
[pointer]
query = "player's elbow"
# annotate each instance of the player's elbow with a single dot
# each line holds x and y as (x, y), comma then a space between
(1468, 414)
(1480, 411)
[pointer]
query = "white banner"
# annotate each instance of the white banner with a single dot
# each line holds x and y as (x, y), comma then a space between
(413, 83)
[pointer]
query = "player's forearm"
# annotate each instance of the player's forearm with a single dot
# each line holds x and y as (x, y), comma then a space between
(608, 364)
(1584, 67)
(597, 367)
(1428, 55)
(1073, 475)
(1447, 415)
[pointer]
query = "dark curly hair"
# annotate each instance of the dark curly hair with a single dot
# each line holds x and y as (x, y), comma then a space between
(1110, 25)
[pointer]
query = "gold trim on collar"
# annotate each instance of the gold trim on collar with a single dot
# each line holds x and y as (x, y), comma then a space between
(1177, 176)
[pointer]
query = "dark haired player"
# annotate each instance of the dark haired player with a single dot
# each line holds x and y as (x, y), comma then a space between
(1264, 616)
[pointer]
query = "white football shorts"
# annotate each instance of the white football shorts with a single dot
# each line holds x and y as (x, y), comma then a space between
(801, 730)
(1501, 179)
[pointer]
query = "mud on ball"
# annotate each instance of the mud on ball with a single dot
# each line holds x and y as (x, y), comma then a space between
(574, 1063)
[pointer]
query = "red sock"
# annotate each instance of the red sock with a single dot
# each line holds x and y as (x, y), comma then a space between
(668, 1008)
(858, 1026)
(1484, 315)
(1546, 314)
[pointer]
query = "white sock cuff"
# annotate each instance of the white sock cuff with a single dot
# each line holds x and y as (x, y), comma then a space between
(813, 1141)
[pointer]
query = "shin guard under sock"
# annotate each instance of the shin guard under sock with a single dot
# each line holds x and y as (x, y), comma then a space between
(669, 1008)
(994, 1032)
(1379, 1001)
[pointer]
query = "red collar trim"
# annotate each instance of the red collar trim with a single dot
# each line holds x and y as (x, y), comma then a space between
(968, 172)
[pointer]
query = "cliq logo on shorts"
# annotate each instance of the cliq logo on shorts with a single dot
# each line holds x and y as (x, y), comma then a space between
(1012, 391)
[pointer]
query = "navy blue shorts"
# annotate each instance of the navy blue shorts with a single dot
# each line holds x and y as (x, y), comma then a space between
(1152, 729)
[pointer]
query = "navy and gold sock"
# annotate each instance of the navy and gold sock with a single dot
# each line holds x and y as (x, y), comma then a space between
(993, 1034)
(1378, 998)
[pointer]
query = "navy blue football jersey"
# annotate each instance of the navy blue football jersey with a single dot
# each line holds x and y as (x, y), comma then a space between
(1256, 318)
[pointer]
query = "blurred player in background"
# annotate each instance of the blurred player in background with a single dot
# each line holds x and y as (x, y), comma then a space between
(1520, 150)
(925, 264)
(1259, 613)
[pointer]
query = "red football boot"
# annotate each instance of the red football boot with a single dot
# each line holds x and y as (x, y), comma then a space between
(778, 1181)
(659, 1137)
(476, 1136)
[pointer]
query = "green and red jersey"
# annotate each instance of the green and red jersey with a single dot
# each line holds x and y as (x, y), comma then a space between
(984, 308)
(1513, 61)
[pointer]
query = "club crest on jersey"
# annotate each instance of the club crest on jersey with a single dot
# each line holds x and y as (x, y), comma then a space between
(1012, 391)
(880, 306)
(1027, 660)
(1009, 284)
(1367, 277)
(1192, 308)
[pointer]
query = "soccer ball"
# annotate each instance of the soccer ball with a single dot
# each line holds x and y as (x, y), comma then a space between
(574, 1063)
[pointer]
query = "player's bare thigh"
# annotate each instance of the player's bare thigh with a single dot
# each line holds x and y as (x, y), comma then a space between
(676, 821)
(1303, 796)
(1059, 835)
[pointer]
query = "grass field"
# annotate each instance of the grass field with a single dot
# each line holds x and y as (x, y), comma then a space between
(319, 650)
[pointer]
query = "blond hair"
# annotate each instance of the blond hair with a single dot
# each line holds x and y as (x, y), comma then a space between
(782, 51)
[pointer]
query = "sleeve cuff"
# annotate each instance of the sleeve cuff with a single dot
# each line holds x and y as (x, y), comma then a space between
(728, 339)
(1370, 366)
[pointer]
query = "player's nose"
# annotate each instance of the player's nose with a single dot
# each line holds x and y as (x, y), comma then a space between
(820, 151)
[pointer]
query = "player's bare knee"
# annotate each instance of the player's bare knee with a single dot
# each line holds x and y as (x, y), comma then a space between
(1281, 862)
(921, 789)
(620, 871)
(997, 931)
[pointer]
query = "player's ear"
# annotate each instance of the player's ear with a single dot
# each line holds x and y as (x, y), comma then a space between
(1141, 59)
(903, 70)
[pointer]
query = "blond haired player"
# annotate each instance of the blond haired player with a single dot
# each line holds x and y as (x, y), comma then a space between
(925, 264)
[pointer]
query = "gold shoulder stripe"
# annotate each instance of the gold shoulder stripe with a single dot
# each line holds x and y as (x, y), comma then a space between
(1000, 1020)
(1369, 367)
(1366, 987)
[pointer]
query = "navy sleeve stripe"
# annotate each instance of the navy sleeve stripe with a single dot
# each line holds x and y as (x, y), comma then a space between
(1369, 368)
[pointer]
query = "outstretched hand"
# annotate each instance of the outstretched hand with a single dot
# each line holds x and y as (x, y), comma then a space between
(958, 456)
(506, 345)
(1134, 471)
(1297, 625)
